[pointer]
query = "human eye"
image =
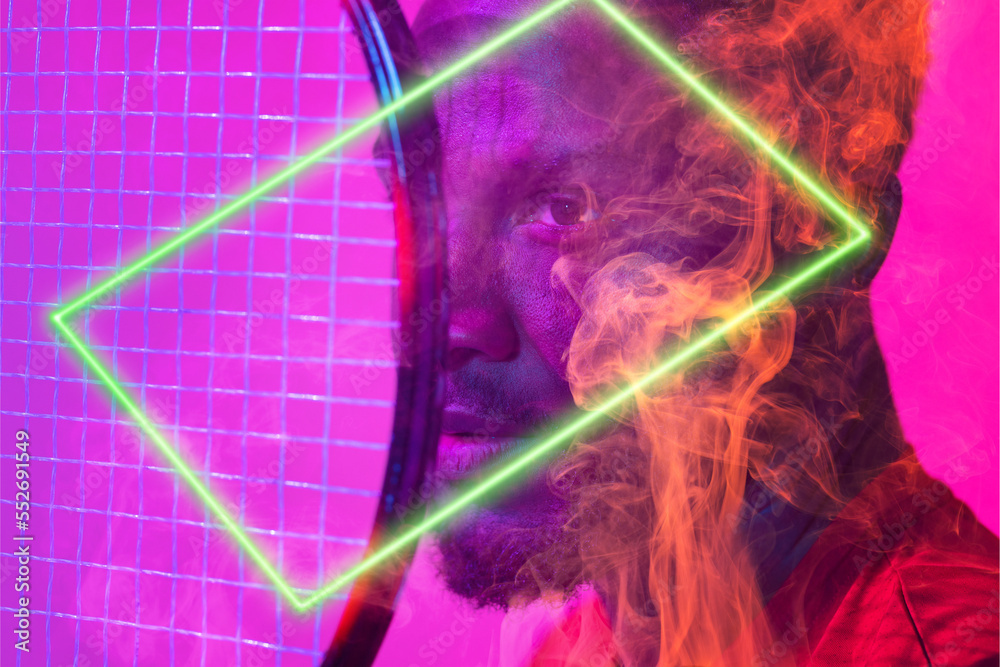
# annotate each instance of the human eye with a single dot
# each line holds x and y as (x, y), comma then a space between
(562, 210)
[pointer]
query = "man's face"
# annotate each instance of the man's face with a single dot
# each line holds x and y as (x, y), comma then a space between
(530, 151)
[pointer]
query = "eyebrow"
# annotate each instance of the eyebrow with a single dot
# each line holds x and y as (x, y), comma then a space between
(527, 176)
(579, 161)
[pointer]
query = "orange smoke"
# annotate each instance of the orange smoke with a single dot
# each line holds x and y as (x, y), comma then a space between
(658, 501)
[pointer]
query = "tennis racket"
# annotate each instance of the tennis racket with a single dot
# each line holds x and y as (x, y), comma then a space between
(288, 354)
(390, 52)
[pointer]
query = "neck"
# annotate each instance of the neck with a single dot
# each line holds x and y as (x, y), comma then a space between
(861, 426)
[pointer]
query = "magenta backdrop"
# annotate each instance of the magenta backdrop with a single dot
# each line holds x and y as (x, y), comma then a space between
(936, 304)
(936, 298)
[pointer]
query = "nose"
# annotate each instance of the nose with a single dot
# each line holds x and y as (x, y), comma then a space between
(479, 332)
(481, 325)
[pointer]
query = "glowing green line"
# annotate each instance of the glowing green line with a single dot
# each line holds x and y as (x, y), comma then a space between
(255, 193)
(716, 103)
(533, 455)
(119, 393)
(543, 449)
(237, 205)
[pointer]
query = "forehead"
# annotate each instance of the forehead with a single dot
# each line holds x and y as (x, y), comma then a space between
(557, 91)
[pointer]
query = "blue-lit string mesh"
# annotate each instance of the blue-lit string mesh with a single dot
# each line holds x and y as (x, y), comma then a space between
(262, 351)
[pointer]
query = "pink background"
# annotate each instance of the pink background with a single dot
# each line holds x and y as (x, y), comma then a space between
(152, 580)
(946, 384)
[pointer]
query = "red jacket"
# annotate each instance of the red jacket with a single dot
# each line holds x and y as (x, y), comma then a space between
(904, 576)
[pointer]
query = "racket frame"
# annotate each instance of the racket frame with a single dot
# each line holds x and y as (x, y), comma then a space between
(420, 223)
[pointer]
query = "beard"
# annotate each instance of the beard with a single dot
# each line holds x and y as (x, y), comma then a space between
(512, 553)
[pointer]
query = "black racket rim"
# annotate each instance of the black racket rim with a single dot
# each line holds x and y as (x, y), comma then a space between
(420, 223)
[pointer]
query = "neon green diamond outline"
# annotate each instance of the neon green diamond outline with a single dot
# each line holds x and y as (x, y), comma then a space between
(523, 463)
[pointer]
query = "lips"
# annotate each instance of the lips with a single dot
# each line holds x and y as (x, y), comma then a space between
(456, 421)
(463, 457)
(469, 443)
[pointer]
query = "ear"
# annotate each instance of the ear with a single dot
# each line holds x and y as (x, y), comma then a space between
(890, 203)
